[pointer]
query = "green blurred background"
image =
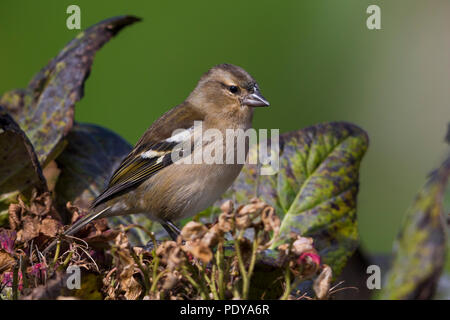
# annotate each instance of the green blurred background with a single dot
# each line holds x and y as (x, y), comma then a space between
(314, 60)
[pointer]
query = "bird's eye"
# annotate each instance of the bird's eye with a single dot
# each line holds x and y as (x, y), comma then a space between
(233, 89)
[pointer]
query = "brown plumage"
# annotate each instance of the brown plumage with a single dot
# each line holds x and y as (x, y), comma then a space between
(149, 182)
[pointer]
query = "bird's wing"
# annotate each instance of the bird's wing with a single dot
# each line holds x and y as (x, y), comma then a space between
(152, 153)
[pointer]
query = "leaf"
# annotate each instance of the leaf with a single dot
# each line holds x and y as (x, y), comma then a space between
(45, 109)
(7, 261)
(315, 188)
(419, 250)
(37, 219)
(90, 158)
(19, 167)
(86, 164)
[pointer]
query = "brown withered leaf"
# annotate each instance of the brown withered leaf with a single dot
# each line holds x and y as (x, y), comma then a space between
(19, 167)
(42, 205)
(126, 269)
(199, 250)
(51, 173)
(322, 283)
(270, 220)
(30, 229)
(129, 284)
(226, 221)
(7, 261)
(50, 227)
(39, 218)
(213, 236)
(193, 230)
(14, 214)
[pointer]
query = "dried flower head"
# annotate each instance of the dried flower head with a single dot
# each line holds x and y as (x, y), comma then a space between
(270, 220)
(227, 207)
(193, 230)
(302, 245)
(171, 254)
(199, 250)
(213, 236)
(226, 221)
(15, 213)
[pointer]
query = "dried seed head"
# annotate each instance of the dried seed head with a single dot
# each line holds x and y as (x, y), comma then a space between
(171, 254)
(121, 241)
(255, 207)
(50, 227)
(164, 249)
(14, 212)
(213, 236)
(171, 280)
(226, 222)
(176, 258)
(250, 215)
(322, 283)
(270, 220)
(227, 207)
(193, 230)
(302, 245)
(199, 250)
(243, 220)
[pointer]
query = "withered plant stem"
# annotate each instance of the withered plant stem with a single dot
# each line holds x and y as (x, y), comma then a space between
(246, 275)
(220, 267)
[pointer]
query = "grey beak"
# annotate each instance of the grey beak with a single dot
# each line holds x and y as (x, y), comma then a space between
(255, 99)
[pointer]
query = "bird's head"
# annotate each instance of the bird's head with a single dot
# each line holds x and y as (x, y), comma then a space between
(227, 89)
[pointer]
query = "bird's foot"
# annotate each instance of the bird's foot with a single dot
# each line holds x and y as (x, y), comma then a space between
(150, 246)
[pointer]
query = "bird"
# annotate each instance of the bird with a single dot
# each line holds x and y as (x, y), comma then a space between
(150, 181)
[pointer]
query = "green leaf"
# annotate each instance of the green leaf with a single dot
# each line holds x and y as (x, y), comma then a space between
(45, 109)
(19, 167)
(419, 250)
(315, 188)
(90, 158)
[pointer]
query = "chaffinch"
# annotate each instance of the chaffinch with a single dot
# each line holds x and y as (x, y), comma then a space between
(150, 181)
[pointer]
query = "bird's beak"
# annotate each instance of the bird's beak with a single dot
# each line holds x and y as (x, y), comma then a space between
(255, 99)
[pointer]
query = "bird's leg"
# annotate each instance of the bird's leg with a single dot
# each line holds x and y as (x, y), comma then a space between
(150, 245)
(171, 229)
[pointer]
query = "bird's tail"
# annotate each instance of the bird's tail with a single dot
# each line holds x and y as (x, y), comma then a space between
(77, 226)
